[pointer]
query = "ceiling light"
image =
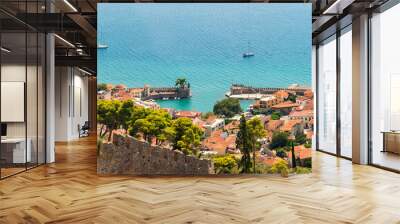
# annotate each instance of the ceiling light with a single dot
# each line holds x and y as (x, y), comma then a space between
(5, 50)
(65, 41)
(338, 6)
(84, 71)
(70, 5)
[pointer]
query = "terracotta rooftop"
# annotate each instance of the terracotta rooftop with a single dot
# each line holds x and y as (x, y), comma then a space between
(301, 152)
(286, 104)
(232, 125)
(120, 86)
(289, 124)
(282, 94)
(273, 125)
(218, 143)
(188, 114)
(308, 94)
(302, 113)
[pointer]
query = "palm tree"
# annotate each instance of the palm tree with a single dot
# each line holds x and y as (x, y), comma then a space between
(181, 82)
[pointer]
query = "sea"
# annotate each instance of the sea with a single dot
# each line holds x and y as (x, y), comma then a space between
(155, 44)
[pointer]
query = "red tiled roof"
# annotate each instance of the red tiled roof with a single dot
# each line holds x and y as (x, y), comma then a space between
(302, 113)
(232, 125)
(308, 94)
(301, 152)
(188, 114)
(218, 143)
(120, 86)
(282, 94)
(309, 105)
(289, 124)
(286, 104)
(273, 125)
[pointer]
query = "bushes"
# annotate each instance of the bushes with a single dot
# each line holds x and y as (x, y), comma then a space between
(279, 139)
(302, 170)
(281, 152)
(262, 168)
(225, 164)
(281, 167)
(276, 115)
(307, 163)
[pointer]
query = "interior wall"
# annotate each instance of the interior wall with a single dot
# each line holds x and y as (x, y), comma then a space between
(16, 72)
(71, 102)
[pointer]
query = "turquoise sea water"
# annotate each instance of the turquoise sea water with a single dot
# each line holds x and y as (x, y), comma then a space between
(156, 43)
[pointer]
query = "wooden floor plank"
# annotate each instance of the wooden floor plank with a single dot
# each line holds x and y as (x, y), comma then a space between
(69, 191)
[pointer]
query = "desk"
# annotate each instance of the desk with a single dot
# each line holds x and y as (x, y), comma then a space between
(13, 150)
(391, 141)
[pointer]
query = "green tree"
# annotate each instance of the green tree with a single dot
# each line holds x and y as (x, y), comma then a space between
(279, 139)
(244, 145)
(256, 131)
(125, 112)
(108, 116)
(301, 139)
(151, 125)
(187, 136)
(181, 82)
(101, 87)
(276, 115)
(227, 107)
(142, 126)
(292, 97)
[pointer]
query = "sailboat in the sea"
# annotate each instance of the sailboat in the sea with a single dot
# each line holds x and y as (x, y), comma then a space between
(248, 53)
(102, 46)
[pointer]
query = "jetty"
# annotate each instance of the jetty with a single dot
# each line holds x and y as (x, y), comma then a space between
(249, 92)
(165, 93)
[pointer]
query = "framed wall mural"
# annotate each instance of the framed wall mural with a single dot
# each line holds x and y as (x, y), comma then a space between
(204, 89)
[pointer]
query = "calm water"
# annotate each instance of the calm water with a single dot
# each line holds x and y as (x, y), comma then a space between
(156, 43)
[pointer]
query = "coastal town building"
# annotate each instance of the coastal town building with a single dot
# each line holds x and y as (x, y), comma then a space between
(267, 102)
(293, 127)
(305, 115)
(212, 124)
(301, 153)
(282, 94)
(285, 107)
(220, 143)
(187, 114)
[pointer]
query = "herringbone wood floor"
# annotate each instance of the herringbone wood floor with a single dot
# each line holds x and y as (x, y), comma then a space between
(69, 191)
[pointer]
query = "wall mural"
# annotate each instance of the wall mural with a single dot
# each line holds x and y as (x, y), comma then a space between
(204, 89)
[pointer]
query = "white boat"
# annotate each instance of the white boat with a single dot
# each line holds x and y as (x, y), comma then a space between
(248, 53)
(102, 46)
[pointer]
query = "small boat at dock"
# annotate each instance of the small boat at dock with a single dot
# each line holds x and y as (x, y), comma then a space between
(248, 54)
(102, 46)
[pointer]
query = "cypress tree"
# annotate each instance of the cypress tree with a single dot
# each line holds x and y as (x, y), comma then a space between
(244, 145)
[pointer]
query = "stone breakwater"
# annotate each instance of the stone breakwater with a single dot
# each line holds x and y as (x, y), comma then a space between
(129, 156)
(238, 89)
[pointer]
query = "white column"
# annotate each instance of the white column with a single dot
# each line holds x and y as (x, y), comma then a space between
(360, 90)
(50, 100)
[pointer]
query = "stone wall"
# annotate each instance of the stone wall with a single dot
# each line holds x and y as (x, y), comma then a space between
(129, 156)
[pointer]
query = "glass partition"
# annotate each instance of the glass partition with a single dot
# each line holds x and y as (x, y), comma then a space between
(346, 92)
(327, 95)
(385, 89)
(22, 78)
(14, 153)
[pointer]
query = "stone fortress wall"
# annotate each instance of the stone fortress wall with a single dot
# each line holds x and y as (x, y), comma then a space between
(129, 156)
